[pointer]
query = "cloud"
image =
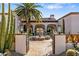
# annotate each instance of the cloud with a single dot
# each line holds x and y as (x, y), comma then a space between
(55, 6)
(59, 6)
(72, 7)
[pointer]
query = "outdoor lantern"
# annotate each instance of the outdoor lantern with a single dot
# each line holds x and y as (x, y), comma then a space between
(21, 28)
(59, 29)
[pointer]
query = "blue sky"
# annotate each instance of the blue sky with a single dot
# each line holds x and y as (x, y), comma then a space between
(58, 9)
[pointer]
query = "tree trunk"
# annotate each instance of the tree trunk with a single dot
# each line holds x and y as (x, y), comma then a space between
(27, 39)
(27, 35)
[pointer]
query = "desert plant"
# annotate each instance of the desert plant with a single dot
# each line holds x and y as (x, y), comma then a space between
(71, 52)
(11, 32)
(10, 37)
(2, 30)
(7, 31)
(8, 26)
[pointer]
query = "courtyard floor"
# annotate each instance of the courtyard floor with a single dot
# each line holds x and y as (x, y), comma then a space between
(40, 48)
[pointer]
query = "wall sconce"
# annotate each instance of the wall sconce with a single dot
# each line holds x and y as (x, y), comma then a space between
(59, 29)
(21, 28)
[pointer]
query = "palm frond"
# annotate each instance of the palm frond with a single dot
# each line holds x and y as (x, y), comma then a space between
(28, 10)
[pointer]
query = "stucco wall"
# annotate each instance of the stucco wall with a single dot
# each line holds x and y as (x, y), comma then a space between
(75, 24)
(17, 24)
(20, 43)
(71, 23)
(67, 24)
(60, 44)
(67, 21)
(60, 22)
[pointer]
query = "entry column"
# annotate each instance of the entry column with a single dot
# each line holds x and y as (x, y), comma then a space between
(45, 29)
(34, 29)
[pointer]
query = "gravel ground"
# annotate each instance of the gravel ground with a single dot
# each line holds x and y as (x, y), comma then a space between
(16, 54)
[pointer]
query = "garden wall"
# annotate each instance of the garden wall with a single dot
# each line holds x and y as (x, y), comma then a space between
(20, 43)
(60, 44)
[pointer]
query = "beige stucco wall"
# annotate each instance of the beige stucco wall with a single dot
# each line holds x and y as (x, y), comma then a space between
(60, 22)
(67, 21)
(17, 25)
(20, 43)
(60, 44)
(75, 24)
(67, 24)
(71, 23)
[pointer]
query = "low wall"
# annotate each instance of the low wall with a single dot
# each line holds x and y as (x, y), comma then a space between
(20, 43)
(60, 44)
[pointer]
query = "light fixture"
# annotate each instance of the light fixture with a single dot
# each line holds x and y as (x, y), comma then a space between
(59, 29)
(21, 28)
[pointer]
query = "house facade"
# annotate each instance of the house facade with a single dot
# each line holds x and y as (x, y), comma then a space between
(69, 23)
(45, 26)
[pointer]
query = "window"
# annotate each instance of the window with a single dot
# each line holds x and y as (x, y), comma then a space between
(24, 28)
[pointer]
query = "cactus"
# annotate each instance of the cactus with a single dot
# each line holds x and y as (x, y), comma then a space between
(11, 32)
(10, 35)
(7, 32)
(2, 30)
(8, 26)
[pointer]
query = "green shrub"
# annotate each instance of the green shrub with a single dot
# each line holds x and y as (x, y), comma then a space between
(47, 37)
(71, 52)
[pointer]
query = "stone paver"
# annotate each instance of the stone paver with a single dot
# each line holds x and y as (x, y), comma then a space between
(40, 48)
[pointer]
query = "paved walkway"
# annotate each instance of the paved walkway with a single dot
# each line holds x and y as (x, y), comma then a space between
(40, 48)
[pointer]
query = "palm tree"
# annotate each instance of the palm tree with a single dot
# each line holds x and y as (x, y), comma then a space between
(28, 11)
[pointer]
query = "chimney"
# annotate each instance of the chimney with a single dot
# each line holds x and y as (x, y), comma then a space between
(51, 16)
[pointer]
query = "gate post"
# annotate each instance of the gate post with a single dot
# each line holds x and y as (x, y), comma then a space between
(20, 43)
(60, 44)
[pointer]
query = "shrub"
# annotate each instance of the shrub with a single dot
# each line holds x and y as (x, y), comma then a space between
(77, 47)
(47, 37)
(71, 52)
